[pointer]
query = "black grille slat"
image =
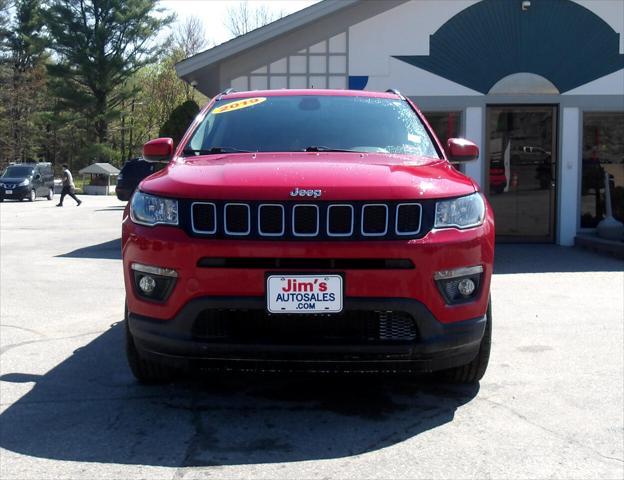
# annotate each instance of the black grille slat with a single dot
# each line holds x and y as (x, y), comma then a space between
(260, 327)
(237, 219)
(305, 220)
(374, 219)
(408, 218)
(271, 220)
(340, 220)
(204, 217)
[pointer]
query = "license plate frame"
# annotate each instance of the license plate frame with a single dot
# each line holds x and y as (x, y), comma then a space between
(335, 285)
(9, 192)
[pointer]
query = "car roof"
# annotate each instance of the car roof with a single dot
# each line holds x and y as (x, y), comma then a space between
(309, 91)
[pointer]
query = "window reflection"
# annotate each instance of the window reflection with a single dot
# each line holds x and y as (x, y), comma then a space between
(445, 124)
(603, 151)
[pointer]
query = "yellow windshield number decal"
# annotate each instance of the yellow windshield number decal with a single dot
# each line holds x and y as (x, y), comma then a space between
(248, 102)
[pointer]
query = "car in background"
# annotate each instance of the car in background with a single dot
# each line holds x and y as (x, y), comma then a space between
(27, 181)
(131, 175)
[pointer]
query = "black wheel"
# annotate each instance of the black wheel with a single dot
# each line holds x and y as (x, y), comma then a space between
(474, 371)
(146, 371)
(50, 195)
(32, 195)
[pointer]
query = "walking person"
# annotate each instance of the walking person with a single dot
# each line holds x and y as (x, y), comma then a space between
(68, 186)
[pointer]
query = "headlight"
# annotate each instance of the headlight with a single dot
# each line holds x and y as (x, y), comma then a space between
(23, 183)
(151, 210)
(463, 212)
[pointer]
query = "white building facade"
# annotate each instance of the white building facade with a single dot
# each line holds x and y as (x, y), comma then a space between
(538, 85)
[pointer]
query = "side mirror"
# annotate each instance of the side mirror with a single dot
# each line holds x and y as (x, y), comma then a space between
(460, 150)
(37, 176)
(158, 150)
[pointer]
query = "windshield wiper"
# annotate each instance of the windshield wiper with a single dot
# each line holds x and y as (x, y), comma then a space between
(213, 150)
(321, 148)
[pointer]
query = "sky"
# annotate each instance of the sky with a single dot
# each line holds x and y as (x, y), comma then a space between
(213, 12)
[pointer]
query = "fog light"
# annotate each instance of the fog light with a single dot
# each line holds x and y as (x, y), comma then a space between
(147, 284)
(153, 283)
(466, 287)
(459, 285)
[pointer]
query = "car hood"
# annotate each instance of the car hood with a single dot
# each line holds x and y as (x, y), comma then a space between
(339, 176)
(13, 179)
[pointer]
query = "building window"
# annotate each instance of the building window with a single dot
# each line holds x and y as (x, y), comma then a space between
(445, 124)
(322, 65)
(603, 152)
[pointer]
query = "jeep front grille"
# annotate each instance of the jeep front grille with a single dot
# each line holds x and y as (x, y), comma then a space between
(305, 221)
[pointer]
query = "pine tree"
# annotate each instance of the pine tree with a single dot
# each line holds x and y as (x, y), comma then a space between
(99, 45)
(23, 77)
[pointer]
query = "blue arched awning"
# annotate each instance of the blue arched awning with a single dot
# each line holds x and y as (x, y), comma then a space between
(557, 39)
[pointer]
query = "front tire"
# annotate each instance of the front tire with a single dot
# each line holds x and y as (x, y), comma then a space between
(146, 371)
(50, 194)
(32, 196)
(474, 371)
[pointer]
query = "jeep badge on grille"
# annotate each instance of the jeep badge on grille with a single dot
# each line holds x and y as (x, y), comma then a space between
(300, 192)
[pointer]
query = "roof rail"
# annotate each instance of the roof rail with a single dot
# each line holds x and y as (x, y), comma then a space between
(227, 91)
(396, 92)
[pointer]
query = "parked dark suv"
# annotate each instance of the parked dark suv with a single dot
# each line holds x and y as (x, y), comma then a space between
(27, 181)
(131, 175)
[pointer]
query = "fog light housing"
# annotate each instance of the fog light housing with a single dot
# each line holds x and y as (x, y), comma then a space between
(460, 285)
(153, 283)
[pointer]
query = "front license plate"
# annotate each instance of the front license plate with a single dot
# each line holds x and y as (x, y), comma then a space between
(304, 293)
(8, 192)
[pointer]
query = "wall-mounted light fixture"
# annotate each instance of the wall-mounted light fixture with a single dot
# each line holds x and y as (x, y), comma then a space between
(525, 5)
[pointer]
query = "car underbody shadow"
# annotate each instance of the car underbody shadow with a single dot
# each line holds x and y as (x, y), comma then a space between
(110, 250)
(90, 409)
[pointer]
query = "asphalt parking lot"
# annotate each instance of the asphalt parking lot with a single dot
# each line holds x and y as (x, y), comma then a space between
(550, 405)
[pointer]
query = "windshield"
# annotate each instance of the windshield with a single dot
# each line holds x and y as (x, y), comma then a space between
(15, 171)
(311, 123)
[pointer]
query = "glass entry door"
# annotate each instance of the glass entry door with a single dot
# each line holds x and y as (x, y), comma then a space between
(521, 171)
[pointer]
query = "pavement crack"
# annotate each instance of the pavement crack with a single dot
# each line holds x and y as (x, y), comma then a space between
(4, 325)
(6, 348)
(194, 443)
(554, 433)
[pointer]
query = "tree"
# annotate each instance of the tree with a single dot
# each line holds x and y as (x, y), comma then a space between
(190, 37)
(179, 120)
(23, 77)
(188, 40)
(4, 22)
(243, 17)
(99, 45)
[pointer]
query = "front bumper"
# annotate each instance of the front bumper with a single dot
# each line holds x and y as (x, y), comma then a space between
(17, 193)
(171, 247)
(437, 346)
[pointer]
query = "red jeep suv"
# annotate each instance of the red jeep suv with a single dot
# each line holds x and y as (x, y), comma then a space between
(316, 230)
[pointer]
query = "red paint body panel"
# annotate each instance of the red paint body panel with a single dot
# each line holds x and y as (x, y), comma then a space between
(341, 176)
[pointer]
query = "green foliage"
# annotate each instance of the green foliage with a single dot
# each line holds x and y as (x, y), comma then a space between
(22, 96)
(85, 80)
(97, 152)
(100, 44)
(179, 120)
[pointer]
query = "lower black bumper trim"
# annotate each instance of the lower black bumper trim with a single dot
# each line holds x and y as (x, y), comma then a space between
(438, 346)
